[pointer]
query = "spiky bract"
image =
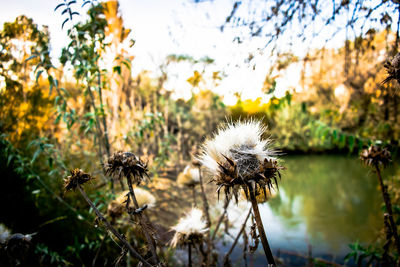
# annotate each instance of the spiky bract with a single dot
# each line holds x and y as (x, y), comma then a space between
(376, 155)
(77, 177)
(393, 69)
(238, 156)
(190, 229)
(126, 164)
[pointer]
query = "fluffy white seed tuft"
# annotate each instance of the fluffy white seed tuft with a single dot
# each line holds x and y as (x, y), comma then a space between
(239, 138)
(191, 226)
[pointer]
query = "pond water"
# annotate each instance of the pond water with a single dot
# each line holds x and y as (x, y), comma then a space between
(324, 202)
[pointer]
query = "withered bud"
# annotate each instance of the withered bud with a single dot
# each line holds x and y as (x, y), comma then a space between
(77, 177)
(239, 156)
(115, 209)
(126, 164)
(375, 155)
(393, 69)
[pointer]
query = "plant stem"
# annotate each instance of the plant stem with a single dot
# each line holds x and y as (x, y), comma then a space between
(194, 195)
(388, 204)
(189, 255)
(106, 141)
(143, 223)
(221, 217)
(237, 237)
(208, 220)
(260, 227)
(112, 229)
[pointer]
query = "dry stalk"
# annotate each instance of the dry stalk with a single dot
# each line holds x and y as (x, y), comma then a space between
(112, 229)
(226, 258)
(221, 218)
(208, 220)
(388, 204)
(189, 254)
(143, 223)
(260, 227)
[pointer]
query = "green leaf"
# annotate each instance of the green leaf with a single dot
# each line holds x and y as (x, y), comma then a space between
(50, 161)
(38, 75)
(342, 140)
(35, 155)
(351, 142)
(117, 69)
(335, 135)
(127, 63)
(31, 57)
(35, 192)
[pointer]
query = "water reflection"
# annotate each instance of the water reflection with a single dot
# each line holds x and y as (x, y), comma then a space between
(326, 201)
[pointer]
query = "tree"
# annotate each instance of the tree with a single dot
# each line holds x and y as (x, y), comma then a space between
(23, 105)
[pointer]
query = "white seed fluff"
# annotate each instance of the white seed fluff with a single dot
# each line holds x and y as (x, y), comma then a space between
(192, 224)
(242, 137)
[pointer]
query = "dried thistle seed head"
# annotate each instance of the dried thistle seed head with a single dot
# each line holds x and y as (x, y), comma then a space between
(396, 61)
(375, 155)
(126, 164)
(190, 229)
(189, 177)
(115, 209)
(77, 177)
(118, 206)
(393, 69)
(238, 155)
(143, 197)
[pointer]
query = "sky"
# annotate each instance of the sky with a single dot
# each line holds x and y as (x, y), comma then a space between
(162, 27)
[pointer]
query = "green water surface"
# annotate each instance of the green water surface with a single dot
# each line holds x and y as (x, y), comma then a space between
(326, 201)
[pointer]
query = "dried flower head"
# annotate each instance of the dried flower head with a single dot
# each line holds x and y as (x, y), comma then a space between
(376, 155)
(189, 177)
(190, 229)
(238, 156)
(117, 207)
(77, 177)
(393, 69)
(126, 164)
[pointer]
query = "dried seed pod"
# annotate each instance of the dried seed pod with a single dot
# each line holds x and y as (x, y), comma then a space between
(190, 229)
(393, 69)
(238, 156)
(126, 164)
(375, 155)
(77, 177)
(189, 177)
(118, 206)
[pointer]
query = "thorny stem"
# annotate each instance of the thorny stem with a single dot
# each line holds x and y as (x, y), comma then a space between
(237, 237)
(388, 232)
(107, 143)
(388, 205)
(221, 217)
(98, 251)
(207, 213)
(189, 255)
(143, 223)
(260, 227)
(112, 229)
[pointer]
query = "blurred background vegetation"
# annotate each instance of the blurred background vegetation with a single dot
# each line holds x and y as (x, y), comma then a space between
(53, 119)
